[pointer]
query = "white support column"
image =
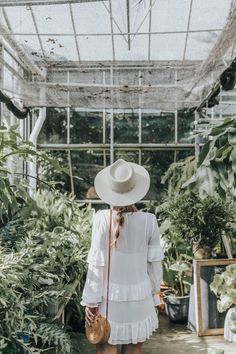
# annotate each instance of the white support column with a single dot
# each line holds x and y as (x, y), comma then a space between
(33, 138)
(104, 121)
(197, 146)
(140, 121)
(111, 123)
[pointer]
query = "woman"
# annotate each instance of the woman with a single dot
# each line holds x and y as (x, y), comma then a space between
(135, 265)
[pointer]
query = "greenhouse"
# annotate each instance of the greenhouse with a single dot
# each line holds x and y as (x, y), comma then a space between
(117, 176)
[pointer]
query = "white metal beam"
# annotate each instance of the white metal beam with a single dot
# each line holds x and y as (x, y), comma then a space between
(40, 2)
(149, 30)
(37, 32)
(146, 15)
(115, 33)
(7, 20)
(74, 30)
(33, 138)
(112, 32)
(114, 21)
(188, 26)
(120, 146)
(23, 56)
(128, 22)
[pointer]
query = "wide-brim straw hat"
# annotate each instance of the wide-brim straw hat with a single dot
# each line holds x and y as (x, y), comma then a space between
(122, 183)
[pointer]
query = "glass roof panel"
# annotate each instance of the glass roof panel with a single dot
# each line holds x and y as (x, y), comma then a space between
(31, 45)
(60, 48)
(167, 46)
(139, 16)
(200, 44)
(119, 14)
(51, 19)
(55, 27)
(170, 15)
(91, 18)
(138, 48)
(209, 14)
(95, 48)
(20, 19)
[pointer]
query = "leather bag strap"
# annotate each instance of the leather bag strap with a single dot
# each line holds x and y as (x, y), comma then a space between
(109, 261)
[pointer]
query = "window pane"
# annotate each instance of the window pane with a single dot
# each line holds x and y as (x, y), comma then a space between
(158, 128)
(86, 164)
(185, 127)
(86, 127)
(54, 130)
(182, 154)
(125, 127)
(130, 156)
(157, 163)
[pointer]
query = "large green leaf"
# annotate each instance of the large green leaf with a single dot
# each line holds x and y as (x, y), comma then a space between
(205, 150)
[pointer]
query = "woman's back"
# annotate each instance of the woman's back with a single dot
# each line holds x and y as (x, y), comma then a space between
(137, 244)
(135, 259)
(135, 232)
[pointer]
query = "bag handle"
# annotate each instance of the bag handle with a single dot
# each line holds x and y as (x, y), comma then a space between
(109, 260)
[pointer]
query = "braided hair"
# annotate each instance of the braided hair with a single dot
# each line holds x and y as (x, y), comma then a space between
(120, 218)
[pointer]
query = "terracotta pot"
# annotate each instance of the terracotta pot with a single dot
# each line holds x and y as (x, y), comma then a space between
(201, 252)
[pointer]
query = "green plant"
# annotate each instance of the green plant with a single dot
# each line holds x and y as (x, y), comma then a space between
(177, 174)
(45, 266)
(199, 220)
(224, 287)
(216, 166)
(43, 247)
(178, 254)
(13, 187)
(177, 261)
(44, 244)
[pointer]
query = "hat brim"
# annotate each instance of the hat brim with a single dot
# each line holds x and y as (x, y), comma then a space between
(106, 194)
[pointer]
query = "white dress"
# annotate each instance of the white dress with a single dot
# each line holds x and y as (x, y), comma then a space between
(135, 275)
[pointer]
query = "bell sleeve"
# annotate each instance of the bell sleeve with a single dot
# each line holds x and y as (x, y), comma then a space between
(154, 257)
(93, 289)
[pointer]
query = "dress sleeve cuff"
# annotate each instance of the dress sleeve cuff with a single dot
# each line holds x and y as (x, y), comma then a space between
(96, 257)
(155, 253)
(84, 303)
(156, 300)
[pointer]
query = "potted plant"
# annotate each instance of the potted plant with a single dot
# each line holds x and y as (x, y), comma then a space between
(199, 221)
(177, 274)
(224, 287)
(177, 297)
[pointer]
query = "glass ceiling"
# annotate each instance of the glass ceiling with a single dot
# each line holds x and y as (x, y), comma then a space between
(115, 30)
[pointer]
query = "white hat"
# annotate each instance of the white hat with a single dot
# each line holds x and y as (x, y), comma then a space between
(122, 183)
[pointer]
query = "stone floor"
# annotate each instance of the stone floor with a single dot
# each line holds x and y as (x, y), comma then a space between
(169, 339)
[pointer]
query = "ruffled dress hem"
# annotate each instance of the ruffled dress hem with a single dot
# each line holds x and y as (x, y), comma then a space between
(135, 292)
(133, 332)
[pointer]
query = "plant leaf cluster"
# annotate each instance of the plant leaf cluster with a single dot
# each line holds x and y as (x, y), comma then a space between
(197, 220)
(45, 266)
(216, 166)
(224, 287)
(43, 248)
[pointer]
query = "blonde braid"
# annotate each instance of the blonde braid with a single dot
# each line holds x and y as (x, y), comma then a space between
(120, 219)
